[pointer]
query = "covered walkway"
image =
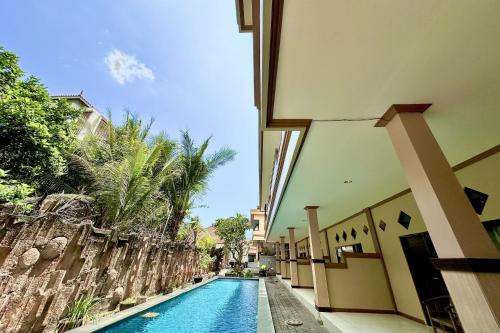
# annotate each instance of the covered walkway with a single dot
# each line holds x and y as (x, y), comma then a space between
(346, 322)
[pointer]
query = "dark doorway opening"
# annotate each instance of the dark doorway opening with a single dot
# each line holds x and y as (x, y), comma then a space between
(419, 251)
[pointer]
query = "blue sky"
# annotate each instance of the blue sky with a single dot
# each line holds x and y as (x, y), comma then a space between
(192, 70)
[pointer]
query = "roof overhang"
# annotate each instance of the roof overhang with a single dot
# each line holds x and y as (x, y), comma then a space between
(341, 66)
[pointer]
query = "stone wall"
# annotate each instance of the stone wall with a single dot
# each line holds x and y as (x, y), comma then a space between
(46, 263)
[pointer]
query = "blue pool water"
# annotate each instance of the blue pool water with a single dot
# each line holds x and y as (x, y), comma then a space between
(223, 305)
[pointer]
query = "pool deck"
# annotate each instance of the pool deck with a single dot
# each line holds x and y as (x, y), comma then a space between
(264, 317)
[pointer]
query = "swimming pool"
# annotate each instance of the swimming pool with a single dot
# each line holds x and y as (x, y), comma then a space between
(223, 305)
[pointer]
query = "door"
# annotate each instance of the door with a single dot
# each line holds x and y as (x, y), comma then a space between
(419, 251)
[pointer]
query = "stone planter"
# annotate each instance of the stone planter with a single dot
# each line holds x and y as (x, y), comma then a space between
(125, 306)
(198, 279)
(262, 272)
(141, 299)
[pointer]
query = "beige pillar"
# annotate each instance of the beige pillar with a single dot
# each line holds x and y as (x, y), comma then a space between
(283, 259)
(278, 258)
(468, 259)
(321, 295)
(294, 272)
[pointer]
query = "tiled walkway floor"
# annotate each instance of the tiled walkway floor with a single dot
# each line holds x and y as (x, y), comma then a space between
(285, 306)
(346, 322)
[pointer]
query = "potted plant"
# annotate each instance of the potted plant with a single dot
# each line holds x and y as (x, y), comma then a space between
(263, 270)
(197, 279)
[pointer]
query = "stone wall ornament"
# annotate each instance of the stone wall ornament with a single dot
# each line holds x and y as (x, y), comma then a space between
(29, 258)
(50, 263)
(54, 248)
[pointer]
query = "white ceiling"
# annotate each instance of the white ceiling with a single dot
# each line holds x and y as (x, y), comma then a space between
(351, 59)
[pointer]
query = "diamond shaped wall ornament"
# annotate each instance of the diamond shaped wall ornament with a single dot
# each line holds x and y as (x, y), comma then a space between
(404, 219)
(365, 229)
(344, 236)
(353, 233)
(382, 225)
(337, 237)
(477, 199)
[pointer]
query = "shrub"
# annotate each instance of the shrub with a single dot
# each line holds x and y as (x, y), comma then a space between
(79, 311)
(14, 192)
(35, 130)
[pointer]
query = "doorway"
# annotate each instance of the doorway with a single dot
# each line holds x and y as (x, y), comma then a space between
(428, 281)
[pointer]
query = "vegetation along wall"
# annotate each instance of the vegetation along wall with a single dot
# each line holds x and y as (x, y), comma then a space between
(46, 262)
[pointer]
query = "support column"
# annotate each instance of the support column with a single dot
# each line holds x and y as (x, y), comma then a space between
(278, 258)
(294, 272)
(321, 295)
(283, 259)
(468, 259)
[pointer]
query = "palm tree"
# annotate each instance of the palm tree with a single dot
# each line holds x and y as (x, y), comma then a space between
(129, 170)
(123, 172)
(195, 169)
(129, 189)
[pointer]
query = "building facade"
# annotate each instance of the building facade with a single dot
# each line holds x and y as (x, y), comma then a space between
(92, 121)
(379, 151)
(260, 252)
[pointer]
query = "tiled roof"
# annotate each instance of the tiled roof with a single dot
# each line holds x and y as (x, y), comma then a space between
(79, 97)
(83, 100)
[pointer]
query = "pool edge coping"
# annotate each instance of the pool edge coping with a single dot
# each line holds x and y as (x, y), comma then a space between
(121, 315)
(265, 322)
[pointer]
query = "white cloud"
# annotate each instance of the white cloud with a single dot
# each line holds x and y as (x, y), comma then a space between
(126, 68)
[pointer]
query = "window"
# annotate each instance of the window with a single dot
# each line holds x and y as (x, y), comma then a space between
(354, 248)
(255, 224)
(493, 228)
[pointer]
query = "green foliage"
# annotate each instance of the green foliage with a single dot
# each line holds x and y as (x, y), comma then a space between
(195, 169)
(189, 231)
(35, 131)
(79, 311)
(247, 273)
(206, 260)
(124, 172)
(205, 243)
(172, 285)
(128, 189)
(232, 231)
(139, 182)
(14, 192)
